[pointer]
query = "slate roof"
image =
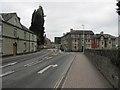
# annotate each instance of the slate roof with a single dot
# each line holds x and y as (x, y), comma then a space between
(105, 36)
(81, 32)
(8, 16)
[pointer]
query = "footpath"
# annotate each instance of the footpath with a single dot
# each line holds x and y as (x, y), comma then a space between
(83, 74)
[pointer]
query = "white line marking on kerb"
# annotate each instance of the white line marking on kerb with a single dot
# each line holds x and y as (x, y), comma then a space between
(7, 73)
(9, 64)
(46, 68)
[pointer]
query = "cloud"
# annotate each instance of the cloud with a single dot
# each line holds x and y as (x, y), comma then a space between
(56, 1)
(97, 15)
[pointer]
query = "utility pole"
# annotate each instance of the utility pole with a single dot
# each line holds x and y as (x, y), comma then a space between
(83, 46)
(118, 11)
(118, 57)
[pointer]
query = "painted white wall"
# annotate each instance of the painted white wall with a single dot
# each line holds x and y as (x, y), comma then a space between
(8, 30)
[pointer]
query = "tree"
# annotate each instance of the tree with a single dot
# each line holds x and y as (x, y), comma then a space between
(118, 9)
(37, 25)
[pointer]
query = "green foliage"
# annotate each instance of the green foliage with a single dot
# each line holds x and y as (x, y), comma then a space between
(37, 25)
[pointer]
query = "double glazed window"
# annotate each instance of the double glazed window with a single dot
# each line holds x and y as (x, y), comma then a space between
(32, 37)
(15, 33)
(24, 35)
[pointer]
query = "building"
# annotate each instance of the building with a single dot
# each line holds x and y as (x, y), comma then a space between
(77, 40)
(105, 41)
(48, 43)
(57, 41)
(16, 38)
(0, 34)
(119, 41)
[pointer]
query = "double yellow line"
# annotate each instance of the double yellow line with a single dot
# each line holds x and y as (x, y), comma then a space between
(58, 82)
(60, 79)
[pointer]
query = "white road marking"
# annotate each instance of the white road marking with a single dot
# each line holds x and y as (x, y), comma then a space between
(7, 73)
(49, 57)
(46, 68)
(32, 63)
(9, 64)
(54, 65)
(36, 62)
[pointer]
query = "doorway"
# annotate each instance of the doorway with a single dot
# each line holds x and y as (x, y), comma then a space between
(15, 49)
(82, 48)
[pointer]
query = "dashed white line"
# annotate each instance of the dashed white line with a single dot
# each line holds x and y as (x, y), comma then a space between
(32, 63)
(46, 68)
(36, 62)
(7, 73)
(9, 64)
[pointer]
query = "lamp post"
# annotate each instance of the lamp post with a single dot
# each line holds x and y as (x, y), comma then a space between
(118, 11)
(83, 38)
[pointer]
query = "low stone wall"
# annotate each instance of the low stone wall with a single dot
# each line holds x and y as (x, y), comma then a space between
(107, 62)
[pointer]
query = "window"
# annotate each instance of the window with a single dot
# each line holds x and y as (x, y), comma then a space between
(75, 40)
(32, 37)
(24, 46)
(25, 35)
(72, 36)
(88, 40)
(110, 42)
(102, 38)
(89, 36)
(32, 47)
(75, 47)
(102, 43)
(77, 36)
(15, 33)
(0, 30)
(82, 36)
(105, 43)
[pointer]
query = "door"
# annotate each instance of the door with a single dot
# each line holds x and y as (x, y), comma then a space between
(14, 49)
(82, 48)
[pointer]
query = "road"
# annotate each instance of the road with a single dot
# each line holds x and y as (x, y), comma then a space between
(45, 69)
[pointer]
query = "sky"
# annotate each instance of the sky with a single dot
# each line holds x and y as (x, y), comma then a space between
(62, 15)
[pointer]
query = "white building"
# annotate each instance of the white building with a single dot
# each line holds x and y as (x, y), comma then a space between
(16, 38)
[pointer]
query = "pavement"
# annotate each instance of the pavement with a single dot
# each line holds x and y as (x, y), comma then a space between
(83, 74)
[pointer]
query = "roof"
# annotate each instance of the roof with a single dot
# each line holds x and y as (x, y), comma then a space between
(81, 32)
(7, 16)
(105, 35)
(25, 28)
(1, 17)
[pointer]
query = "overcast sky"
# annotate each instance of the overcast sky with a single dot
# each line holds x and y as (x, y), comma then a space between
(61, 15)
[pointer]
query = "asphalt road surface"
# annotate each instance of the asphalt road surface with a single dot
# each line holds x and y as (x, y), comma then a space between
(45, 69)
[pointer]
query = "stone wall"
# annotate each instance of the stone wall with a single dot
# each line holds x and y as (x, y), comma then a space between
(107, 62)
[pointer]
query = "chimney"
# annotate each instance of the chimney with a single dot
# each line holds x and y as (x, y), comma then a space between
(102, 33)
(71, 30)
(63, 34)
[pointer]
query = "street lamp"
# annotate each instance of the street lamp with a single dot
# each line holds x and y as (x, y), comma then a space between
(83, 38)
(118, 11)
